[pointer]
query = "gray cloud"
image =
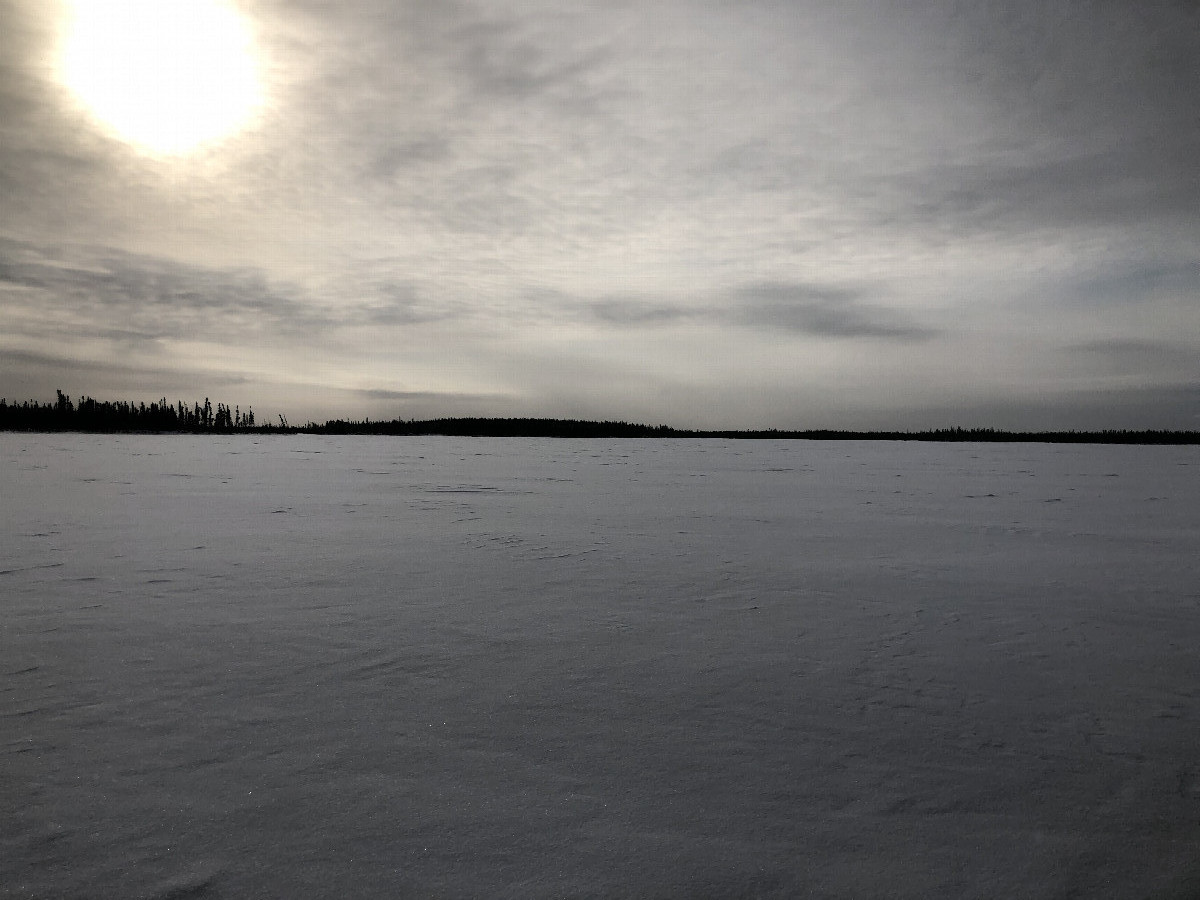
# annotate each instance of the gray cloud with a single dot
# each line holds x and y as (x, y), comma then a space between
(1124, 346)
(1085, 187)
(500, 62)
(1090, 112)
(823, 312)
(633, 313)
(1133, 357)
(1136, 283)
(819, 311)
(153, 298)
(81, 371)
(429, 396)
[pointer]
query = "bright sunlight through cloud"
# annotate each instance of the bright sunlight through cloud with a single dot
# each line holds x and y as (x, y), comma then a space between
(164, 75)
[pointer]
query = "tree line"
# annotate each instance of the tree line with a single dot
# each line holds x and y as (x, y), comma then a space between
(124, 416)
(575, 428)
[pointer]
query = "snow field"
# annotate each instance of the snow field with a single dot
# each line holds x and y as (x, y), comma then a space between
(442, 667)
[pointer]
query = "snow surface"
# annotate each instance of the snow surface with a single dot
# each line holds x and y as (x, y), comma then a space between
(442, 667)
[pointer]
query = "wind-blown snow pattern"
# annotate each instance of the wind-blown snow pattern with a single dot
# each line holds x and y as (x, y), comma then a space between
(452, 667)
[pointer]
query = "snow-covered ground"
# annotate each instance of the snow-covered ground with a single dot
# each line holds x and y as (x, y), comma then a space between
(303, 667)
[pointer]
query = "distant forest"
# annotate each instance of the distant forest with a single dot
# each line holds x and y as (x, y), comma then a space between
(121, 417)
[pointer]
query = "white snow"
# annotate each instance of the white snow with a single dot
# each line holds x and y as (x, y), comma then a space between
(443, 667)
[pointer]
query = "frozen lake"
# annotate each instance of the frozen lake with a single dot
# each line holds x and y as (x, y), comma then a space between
(440, 667)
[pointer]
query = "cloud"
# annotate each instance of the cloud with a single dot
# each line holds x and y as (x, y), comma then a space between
(821, 311)
(1089, 114)
(152, 298)
(156, 298)
(1136, 282)
(1132, 357)
(795, 308)
(1123, 347)
(524, 60)
(107, 369)
(410, 396)
(629, 313)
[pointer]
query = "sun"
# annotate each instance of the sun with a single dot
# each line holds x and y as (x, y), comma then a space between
(166, 76)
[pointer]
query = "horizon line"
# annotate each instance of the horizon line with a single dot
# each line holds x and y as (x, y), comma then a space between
(161, 417)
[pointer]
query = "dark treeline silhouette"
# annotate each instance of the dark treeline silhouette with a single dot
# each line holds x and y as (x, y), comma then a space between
(161, 416)
(122, 416)
(574, 428)
(479, 427)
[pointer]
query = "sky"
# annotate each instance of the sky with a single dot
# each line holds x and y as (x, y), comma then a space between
(701, 213)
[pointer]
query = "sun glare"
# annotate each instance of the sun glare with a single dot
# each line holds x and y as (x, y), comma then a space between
(164, 75)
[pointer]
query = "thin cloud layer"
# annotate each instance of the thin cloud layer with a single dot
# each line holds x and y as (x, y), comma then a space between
(756, 214)
(825, 313)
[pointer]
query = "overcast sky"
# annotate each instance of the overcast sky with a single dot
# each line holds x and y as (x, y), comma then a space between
(790, 213)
